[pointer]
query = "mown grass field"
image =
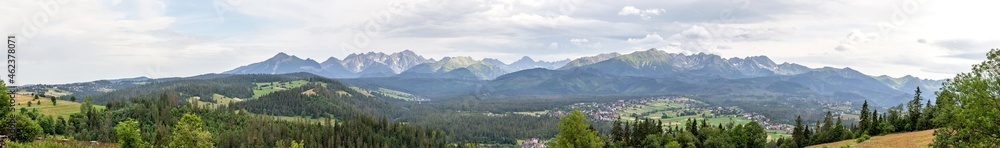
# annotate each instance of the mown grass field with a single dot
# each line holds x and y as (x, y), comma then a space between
(62, 107)
(396, 94)
(268, 87)
(908, 140)
(219, 99)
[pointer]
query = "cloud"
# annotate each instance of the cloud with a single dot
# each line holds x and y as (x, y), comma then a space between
(967, 44)
(113, 39)
(579, 42)
(584, 43)
(644, 14)
(844, 47)
(650, 38)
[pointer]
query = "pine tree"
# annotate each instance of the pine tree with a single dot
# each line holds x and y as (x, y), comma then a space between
(928, 115)
(616, 131)
(876, 121)
(913, 115)
(799, 132)
(865, 121)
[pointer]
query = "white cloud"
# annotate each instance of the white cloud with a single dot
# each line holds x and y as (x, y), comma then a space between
(579, 42)
(584, 43)
(644, 14)
(112, 39)
(650, 38)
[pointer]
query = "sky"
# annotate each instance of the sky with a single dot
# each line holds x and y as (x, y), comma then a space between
(65, 41)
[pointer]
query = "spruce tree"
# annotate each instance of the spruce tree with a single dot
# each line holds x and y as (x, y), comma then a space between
(865, 122)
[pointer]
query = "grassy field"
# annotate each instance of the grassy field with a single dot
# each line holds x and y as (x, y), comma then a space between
(394, 94)
(300, 119)
(775, 134)
(534, 113)
(58, 143)
(57, 92)
(62, 107)
(266, 88)
(219, 99)
(910, 139)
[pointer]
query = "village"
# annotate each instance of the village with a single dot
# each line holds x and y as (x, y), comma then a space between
(669, 110)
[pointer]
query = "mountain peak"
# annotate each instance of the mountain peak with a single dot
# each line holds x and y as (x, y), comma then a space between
(408, 52)
(331, 59)
(280, 55)
(525, 59)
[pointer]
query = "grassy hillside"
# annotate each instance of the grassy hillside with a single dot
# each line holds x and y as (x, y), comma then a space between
(62, 107)
(910, 139)
(266, 88)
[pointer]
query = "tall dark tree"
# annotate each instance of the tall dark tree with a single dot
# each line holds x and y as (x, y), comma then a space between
(913, 114)
(865, 122)
(928, 115)
(617, 133)
(876, 122)
(799, 132)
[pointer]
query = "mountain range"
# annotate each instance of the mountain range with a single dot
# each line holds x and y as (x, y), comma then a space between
(647, 72)
(406, 62)
(658, 72)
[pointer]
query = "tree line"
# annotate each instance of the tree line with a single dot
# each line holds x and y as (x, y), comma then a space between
(164, 122)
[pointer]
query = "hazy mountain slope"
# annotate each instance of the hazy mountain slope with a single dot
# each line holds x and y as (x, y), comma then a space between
(910, 83)
(333, 68)
(528, 63)
(589, 60)
(369, 64)
(456, 68)
(577, 81)
(433, 88)
(373, 63)
(279, 64)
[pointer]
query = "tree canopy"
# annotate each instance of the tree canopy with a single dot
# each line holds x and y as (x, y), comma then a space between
(190, 133)
(968, 107)
(575, 132)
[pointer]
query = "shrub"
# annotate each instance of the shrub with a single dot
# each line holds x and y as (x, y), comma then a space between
(863, 138)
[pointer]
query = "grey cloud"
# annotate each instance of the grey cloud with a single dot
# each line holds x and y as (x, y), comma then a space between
(967, 45)
(971, 56)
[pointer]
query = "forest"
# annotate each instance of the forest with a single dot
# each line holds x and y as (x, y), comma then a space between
(164, 122)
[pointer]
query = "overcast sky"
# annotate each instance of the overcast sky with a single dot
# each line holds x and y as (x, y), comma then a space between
(85, 40)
